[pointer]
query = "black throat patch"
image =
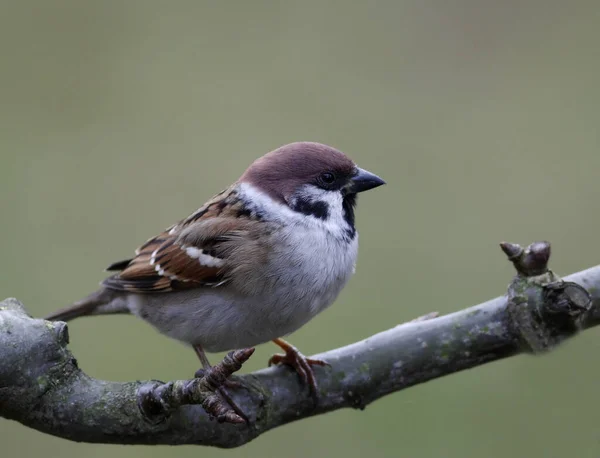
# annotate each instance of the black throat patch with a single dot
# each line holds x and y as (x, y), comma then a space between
(318, 208)
(348, 205)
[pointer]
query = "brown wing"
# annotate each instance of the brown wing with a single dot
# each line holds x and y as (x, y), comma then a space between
(195, 252)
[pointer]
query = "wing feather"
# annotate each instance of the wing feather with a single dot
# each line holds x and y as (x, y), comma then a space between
(195, 252)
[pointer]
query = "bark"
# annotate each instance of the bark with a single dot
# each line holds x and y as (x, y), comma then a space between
(42, 387)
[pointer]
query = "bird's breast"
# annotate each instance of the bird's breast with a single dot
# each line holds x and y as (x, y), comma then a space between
(311, 267)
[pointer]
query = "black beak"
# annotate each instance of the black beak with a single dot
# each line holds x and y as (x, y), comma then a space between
(363, 181)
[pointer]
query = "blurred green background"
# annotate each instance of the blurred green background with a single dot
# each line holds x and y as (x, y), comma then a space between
(117, 118)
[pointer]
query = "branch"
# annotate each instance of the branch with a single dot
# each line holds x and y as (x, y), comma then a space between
(42, 387)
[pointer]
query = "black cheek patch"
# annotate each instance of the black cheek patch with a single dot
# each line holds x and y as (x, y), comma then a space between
(318, 209)
(348, 207)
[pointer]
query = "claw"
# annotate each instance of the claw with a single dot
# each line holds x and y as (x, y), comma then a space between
(300, 363)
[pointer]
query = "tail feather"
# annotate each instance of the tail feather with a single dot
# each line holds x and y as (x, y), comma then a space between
(101, 302)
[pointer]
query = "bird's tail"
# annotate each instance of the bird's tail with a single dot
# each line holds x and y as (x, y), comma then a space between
(101, 302)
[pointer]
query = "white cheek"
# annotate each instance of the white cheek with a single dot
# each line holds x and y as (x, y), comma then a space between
(335, 220)
(276, 211)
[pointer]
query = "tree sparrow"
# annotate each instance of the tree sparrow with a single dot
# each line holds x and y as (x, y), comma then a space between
(255, 263)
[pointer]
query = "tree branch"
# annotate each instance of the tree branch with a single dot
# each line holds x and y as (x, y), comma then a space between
(42, 387)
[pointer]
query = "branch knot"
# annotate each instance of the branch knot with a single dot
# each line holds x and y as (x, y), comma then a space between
(544, 310)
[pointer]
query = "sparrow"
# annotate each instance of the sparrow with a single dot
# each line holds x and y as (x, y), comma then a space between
(254, 263)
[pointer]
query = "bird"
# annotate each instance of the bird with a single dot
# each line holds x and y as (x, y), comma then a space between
(255, 263)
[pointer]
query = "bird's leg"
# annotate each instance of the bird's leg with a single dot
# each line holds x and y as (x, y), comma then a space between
(301, 364)
(202, 357)
(222, 390)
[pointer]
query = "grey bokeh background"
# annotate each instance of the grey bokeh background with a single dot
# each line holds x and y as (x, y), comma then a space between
(118, 118)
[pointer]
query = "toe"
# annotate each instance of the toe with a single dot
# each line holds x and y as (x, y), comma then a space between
(304, 372)
(233, 384)
(227, 397)
(317, 362)
(277, 359)
(309, 378)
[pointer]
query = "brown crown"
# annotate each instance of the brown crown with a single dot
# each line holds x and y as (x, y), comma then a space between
(283, 170)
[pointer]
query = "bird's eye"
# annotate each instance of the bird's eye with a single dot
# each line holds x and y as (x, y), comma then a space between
(327, 177)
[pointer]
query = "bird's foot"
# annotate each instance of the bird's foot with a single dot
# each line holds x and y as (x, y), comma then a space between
(216, 379)
(300, 363)
(156, 400)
